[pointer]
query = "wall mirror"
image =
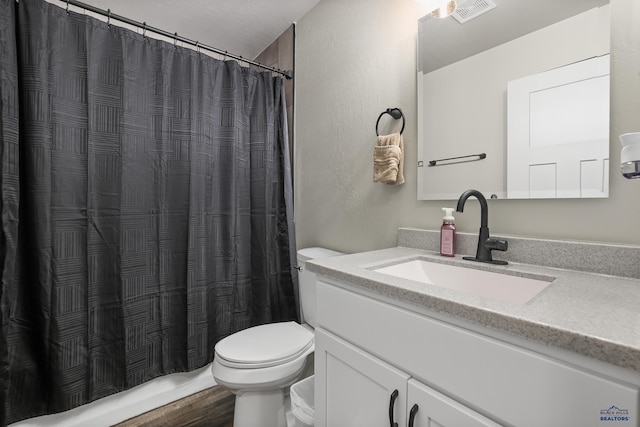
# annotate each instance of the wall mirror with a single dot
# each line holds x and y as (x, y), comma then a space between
(513, 100)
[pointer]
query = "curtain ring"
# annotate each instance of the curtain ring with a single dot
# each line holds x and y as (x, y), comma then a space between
(198, 46)
(144, 30)
(225, 56)
(109, 18)
(67, 7)
(175, 41)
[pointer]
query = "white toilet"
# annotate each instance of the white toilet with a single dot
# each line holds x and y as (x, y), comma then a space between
(259, 364)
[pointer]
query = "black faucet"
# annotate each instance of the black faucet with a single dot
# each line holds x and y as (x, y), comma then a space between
(485, 243)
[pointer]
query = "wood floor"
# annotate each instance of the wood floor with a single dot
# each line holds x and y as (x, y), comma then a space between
(212, 407)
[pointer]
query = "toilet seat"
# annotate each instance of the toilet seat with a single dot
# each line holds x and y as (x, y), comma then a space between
(264, 346)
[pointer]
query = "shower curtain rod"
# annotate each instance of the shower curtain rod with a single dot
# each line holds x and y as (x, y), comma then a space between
(176, 37)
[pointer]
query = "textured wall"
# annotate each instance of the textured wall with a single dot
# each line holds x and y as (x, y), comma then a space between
(356, 58)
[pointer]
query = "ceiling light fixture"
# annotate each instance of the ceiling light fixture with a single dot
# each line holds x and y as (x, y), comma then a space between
(445, 9)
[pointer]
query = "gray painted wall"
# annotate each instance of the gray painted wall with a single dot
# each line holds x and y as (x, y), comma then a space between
(356, 58)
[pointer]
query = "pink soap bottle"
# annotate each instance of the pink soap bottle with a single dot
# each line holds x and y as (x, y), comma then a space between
(448, 233)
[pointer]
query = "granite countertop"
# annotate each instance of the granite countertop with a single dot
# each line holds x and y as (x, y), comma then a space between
(592, 314)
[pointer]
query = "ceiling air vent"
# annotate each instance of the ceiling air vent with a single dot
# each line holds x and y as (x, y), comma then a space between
(470, 9)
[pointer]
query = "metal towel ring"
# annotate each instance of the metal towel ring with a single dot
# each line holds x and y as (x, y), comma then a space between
(396, 113)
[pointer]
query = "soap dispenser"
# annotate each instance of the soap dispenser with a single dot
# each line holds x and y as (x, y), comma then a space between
(448, 233)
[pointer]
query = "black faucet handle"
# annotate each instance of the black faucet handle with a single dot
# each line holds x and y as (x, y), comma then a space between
(496, 244)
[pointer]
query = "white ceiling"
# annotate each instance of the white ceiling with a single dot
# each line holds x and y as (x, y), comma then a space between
(510, 19)
(242, 27)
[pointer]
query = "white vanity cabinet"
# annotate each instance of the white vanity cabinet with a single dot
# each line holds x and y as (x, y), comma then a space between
(367, 348)
(358, 389)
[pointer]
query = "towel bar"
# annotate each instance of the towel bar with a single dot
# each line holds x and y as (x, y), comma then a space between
(396, 113)
(480, 157)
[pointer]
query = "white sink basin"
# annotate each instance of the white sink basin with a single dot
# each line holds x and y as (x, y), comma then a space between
(503, 287)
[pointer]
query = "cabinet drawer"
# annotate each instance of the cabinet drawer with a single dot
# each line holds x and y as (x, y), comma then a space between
(511, 384)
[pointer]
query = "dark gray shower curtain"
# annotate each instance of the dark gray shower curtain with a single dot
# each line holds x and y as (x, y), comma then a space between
(146, 207)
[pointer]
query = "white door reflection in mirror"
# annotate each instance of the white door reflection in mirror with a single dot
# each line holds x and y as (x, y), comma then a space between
(558, 132)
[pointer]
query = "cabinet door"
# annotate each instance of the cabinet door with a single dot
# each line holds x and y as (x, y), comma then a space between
(355, 389)
(437, 410)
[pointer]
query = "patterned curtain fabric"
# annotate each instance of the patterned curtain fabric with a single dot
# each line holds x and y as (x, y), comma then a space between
(146, 207)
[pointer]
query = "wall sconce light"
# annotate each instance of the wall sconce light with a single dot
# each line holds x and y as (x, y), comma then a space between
(630, 155)
(445, 9)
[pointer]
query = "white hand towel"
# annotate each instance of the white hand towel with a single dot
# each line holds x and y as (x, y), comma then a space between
(388, 160)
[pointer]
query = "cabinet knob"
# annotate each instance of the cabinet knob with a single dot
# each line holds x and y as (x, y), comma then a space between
(392, 401)
(412, 414)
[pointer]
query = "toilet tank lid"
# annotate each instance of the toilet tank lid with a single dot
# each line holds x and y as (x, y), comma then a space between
(316, 252)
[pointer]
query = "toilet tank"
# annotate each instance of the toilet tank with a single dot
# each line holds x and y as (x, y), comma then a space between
(307, 282)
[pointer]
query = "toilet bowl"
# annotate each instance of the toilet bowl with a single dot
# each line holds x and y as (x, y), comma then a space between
(260, 363)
